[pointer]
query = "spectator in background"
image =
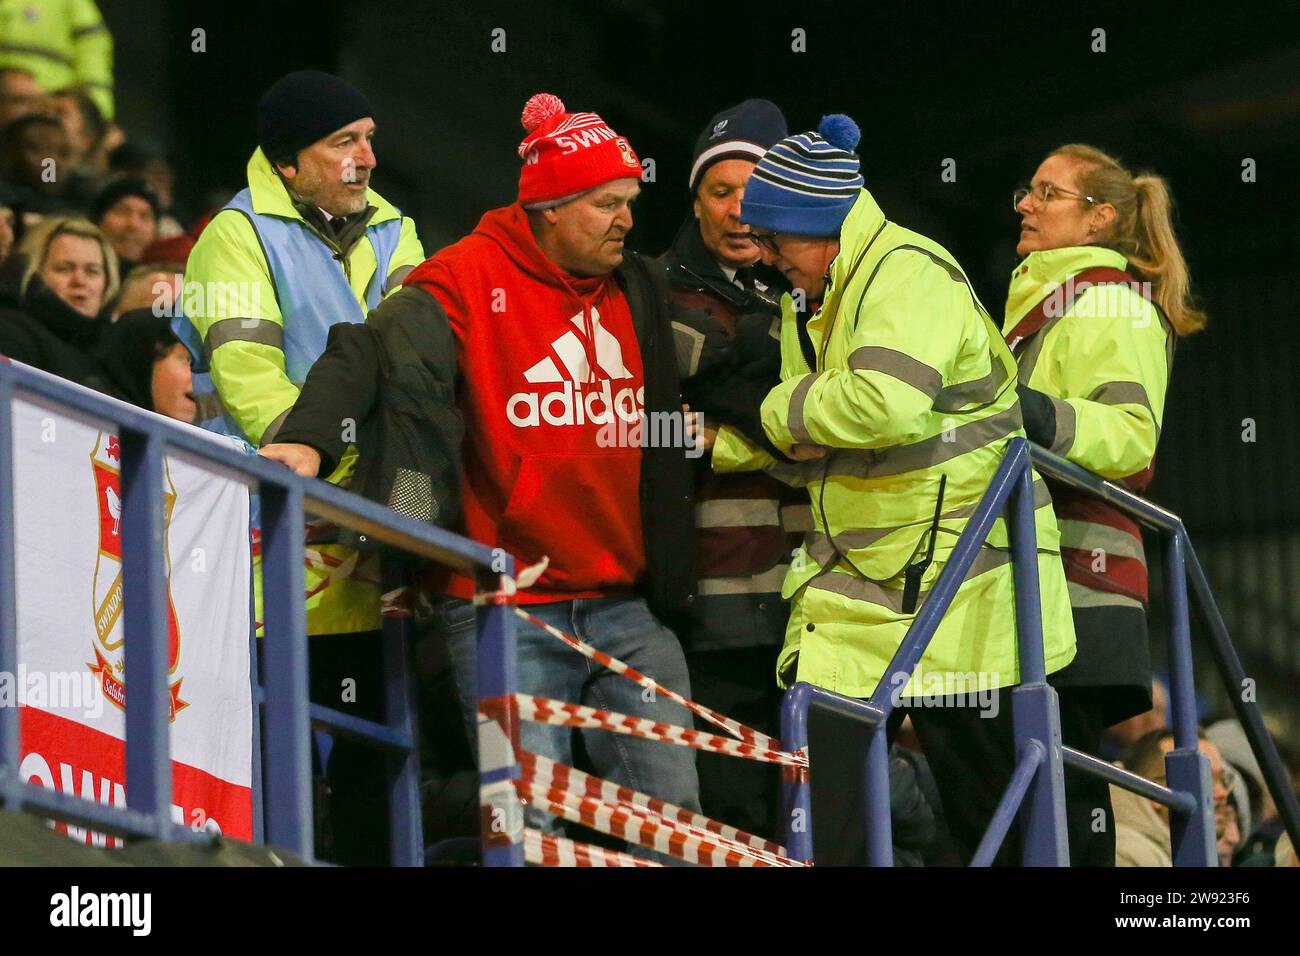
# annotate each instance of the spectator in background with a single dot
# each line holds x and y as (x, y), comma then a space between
(85, 124)
(1231, 740)
(155, 286)
(1120, 738)
(1142, 825)
(1262, 823)
(19, 95)
(127, 210)
(307, 246)
(90, 137)
(149, 366)
(52, 306)
(748, 524)
(36, 161)
(140, 159)
(60, 43)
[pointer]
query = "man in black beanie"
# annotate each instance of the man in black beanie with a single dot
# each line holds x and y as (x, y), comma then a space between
(127, 211)
(316, 130)
(306, 246)
(747, 524)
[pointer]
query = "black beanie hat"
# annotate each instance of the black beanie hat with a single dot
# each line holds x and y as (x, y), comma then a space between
(129, 350)
(119, 189)
(744, 131)
(301, 108)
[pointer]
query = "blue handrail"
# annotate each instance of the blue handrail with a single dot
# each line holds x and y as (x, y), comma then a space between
(1035, 793)
(1036, 790)
(286, 498)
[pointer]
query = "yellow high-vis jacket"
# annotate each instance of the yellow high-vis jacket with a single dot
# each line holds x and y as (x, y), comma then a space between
(1086, 336)
(913, 389)
(60, 43)
(261, 327)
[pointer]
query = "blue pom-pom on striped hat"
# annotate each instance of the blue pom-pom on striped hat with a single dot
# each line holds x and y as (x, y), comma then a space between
(807, 183)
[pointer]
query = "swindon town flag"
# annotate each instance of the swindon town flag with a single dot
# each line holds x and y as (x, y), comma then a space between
(71, 679)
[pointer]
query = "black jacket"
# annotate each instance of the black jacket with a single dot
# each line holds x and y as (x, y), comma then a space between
(40, 329)
(389, 384)
(752, 319)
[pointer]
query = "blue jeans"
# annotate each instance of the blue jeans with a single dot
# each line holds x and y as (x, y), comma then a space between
(623, 628)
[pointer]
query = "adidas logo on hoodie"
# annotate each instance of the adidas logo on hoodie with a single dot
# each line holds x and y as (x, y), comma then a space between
(585, 395)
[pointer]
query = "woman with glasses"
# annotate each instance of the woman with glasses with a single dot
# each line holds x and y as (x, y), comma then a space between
(1094, 309)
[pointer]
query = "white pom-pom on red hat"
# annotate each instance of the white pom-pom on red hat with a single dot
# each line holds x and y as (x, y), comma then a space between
(539, 108)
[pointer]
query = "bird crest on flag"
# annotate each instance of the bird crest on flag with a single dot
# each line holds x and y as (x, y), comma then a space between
(107, 590)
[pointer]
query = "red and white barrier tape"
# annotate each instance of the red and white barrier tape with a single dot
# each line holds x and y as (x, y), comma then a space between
(542, 849)
(550, 774)
(644, 829)
(620, 811)
(652, 820)
(543, 710)
(733, 727)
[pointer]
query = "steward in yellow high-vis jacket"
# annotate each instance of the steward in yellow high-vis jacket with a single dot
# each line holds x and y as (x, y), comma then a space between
(269, 276)
(1093, 312)
(898, 394)
(61, 43)
(305, 247)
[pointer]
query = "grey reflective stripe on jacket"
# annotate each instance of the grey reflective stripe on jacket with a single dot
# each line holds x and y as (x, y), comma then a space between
(935, 450)
(858, 588)
(261, 331)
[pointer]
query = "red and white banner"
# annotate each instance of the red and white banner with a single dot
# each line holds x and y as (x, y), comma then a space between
(71, 682)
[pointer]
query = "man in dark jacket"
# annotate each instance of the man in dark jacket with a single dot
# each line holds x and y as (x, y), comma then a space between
(552, 348)
(748, 523)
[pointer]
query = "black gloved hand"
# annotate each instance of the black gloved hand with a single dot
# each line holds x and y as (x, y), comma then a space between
(1039, 416)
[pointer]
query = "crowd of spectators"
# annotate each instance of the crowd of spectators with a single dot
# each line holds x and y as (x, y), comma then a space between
(91, 249)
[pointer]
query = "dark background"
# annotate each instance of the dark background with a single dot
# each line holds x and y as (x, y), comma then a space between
(1186, 90)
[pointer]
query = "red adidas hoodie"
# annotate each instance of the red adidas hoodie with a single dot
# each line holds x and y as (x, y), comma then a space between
(547, 360)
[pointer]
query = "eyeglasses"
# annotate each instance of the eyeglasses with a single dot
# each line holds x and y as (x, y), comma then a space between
(766, 242)
(1227, 779)
(1045, 193)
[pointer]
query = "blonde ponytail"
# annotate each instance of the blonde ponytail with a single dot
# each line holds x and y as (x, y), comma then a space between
(1143, 230)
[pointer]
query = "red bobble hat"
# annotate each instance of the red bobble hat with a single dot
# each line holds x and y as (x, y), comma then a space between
(566, 154)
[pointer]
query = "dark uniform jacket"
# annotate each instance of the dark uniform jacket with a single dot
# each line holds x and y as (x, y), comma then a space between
(748, 523)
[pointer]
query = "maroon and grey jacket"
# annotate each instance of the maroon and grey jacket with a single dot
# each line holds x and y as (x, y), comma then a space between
(748, 523)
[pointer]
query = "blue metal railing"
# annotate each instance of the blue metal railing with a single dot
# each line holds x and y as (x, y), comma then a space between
(1036, 789)
(285, 780)
(1037, 783)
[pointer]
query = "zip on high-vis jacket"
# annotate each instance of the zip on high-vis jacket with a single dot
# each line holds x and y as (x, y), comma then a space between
(1087, 335)
(913, 393)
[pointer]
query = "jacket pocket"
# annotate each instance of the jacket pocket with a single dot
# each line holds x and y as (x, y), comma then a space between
(893, 531)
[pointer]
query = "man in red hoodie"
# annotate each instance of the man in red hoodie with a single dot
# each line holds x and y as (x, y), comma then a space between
(555, 343)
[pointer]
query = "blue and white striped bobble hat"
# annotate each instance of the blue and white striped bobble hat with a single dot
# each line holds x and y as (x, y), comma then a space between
(807, 183)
